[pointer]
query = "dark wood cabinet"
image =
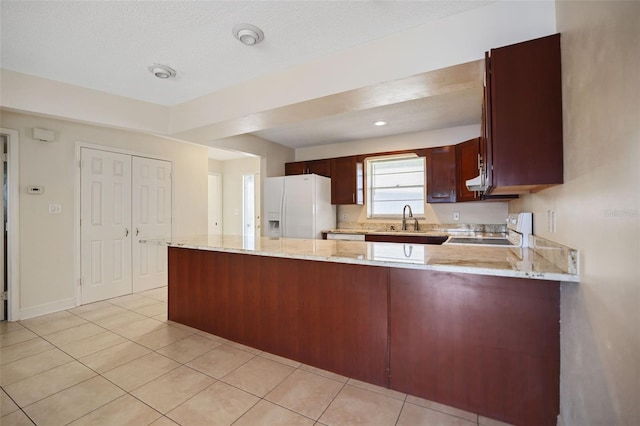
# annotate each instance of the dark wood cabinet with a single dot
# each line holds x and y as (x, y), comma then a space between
(329, 315)
(523, 123)
(467, 159)
(441, 174)
(347, 181)
(318, 167)
(407, 239)
(295, 168)
(488, 345)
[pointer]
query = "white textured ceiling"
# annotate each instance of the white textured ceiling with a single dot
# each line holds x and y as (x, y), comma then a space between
(108, 45)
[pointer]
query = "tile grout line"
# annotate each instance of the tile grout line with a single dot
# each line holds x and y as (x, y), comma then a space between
(181, 364)
(97, 374)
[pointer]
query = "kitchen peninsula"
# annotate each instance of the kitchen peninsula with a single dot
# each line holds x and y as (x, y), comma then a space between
(474, 328)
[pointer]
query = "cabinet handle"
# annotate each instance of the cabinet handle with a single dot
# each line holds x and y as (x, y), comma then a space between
(126, 232)
(137, 232)
(353, 197)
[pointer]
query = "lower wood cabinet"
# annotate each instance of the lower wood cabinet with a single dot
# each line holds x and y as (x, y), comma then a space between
(329, 315)
(407, 239)
(488, 345)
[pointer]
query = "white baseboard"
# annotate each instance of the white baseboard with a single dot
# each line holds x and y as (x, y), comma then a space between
(47, 308)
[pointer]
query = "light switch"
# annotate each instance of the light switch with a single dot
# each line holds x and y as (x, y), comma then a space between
(55, 208)
(456, 215)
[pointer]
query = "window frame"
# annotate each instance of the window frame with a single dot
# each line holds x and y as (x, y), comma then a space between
(368, 187)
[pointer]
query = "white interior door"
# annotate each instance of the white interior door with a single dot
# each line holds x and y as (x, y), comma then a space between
(215, 204)
(258, 204)
(3, 199)
(151, 211)
(105, 225)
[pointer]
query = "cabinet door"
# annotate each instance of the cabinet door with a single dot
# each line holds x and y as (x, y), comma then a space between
(486, 140)
(346, 181)
(441, 174)
(319, 167)
(467, 168)
(296, 168)
(526, 115)
(151, 218)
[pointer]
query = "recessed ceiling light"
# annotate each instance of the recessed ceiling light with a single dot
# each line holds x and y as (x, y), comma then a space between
(248, 34)
(380, 123)
(162, 71)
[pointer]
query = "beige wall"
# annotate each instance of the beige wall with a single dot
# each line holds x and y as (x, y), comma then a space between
(477, 212)
(47, 242)
(598, 212)
(232, 191)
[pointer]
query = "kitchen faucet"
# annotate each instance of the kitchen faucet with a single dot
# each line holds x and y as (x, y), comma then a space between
(404, 218)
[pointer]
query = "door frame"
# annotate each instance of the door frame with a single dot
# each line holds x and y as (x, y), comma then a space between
(13, 218)
(220, 197)
(77, 265)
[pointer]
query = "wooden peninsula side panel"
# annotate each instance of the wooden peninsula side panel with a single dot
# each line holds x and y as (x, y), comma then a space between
(488, 345)
(329, 315)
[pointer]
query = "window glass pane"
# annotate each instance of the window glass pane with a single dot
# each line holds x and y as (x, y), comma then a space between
(393, 183)
(398, 179)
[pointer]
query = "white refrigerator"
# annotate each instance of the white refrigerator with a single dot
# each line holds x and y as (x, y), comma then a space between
(298, 206)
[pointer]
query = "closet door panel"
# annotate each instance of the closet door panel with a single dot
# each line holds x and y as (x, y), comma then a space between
(151, 219)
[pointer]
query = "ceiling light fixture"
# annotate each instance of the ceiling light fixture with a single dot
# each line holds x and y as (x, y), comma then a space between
(380, 123)
(248, 34)
(162, 71)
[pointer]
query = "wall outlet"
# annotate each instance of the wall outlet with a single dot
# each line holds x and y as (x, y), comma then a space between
(456, 216)
(55, 208)
(344, 216)
(551, 221)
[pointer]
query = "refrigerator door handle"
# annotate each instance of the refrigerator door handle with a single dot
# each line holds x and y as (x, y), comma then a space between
(283, 212)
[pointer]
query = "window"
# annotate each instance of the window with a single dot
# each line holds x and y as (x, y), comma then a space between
(393, 182)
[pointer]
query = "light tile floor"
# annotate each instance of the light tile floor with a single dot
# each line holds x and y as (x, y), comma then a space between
(120, 362)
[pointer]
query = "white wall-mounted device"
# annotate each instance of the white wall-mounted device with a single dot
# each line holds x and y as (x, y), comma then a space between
(44, 135)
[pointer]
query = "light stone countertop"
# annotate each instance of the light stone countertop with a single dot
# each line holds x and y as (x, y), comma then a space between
(427, 233)
(495, 261)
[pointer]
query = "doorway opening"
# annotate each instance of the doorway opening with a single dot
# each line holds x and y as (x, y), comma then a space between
(248, 207)
(9, 208)
(4, 302)
(215, 204)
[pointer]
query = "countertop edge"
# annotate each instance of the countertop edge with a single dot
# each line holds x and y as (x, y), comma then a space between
(546, 276)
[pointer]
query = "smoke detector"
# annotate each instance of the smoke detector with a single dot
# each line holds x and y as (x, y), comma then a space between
(248, 34)
(162, 71)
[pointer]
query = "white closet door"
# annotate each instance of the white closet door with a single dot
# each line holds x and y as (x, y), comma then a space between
(151, 207)
(105, 228)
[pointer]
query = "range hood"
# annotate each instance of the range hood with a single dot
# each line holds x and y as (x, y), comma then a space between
(476, 184)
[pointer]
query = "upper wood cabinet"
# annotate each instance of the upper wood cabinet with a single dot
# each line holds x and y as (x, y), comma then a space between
(347, 181)
(523, 123)
(318, 167)
(467, 167)
(441, 174)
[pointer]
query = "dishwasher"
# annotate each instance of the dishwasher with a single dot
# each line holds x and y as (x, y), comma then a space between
(345, 237)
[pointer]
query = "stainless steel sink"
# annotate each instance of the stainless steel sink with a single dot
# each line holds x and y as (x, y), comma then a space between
(499, 242)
